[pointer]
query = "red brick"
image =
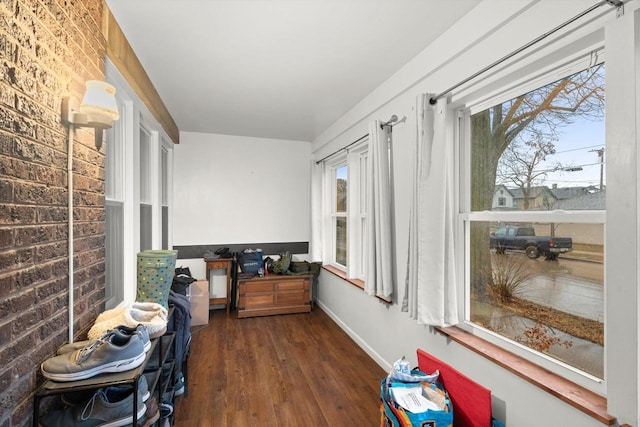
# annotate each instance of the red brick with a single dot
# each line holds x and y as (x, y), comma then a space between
(48, 49)
(12, 214)
(6, 238)
(11, 260)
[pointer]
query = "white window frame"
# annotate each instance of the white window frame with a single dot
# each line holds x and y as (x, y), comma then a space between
(356, 161)
(332, 216)
(134, 117)
(147, 175)
(466, 216)
(166, 188)
(359, 160)
(115, 198)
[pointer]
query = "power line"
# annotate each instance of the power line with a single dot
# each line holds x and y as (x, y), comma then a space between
(578, 149)
(563, 168)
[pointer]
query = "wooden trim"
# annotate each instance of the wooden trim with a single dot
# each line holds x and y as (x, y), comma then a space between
(575, 395)
(355, 282)
(124, 58)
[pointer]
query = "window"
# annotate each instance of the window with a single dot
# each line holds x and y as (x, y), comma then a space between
(138, 191)
(340, 215)
(164, 191)
(146, 197)
(114, 212)
(345, 178)
(502, 201)
(535, 274)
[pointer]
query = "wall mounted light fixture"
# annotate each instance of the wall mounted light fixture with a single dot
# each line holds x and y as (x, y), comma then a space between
(98, 109)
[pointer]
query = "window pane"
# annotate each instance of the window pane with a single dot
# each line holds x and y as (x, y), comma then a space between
(341, 189)
(541, 283)
(145, 167)
(164, 191)
(145, 227)
(114, 274)
(341, 241)
(363, 183)
(165, 227)
(113, 163)
(543, 150)
(552, 306)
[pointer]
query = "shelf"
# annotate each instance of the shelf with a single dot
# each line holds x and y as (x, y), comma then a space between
(50, 387)
(169, 368)
(156, 357)
(152, 379)
(160, 352)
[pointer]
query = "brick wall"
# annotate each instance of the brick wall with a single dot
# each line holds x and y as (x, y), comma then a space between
(48, 49)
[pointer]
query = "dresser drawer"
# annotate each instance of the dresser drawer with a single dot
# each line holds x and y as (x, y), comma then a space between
(297, 285)
(249, 302)
(252, 287)
(273, 294)
(291, 297)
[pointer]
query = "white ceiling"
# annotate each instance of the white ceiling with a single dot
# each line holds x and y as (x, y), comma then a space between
(284, 69)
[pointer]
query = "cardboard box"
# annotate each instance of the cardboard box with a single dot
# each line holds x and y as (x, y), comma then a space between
(199, 303)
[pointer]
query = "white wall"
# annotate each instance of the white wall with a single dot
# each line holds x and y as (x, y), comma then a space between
(231, 189)
(235, 190)
(488, 32)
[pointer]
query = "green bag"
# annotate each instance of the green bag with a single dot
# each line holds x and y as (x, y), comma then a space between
(281, 265)
(300, 267)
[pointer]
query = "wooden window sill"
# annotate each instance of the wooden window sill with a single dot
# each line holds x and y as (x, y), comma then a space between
(577, 396)
(355, 282)
(573, 394)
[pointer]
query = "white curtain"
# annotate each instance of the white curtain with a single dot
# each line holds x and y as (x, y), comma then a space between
(430, 285)
(316, 211)
(380, 258)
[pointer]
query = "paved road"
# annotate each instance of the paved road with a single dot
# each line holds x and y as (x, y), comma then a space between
(572, 286)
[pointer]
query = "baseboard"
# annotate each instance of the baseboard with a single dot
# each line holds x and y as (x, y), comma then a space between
(355, 337)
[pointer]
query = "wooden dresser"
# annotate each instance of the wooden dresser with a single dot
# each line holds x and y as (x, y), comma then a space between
(273, 294)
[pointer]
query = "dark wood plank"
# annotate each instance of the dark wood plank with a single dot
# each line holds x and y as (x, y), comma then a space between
(286, 370)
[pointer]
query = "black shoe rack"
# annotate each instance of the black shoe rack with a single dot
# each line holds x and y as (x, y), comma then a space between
(157, 367)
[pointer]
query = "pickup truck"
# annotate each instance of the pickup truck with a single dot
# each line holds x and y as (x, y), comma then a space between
(525, 239)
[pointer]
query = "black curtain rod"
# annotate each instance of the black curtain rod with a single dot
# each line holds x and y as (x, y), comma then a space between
(342, 149)
(614, 3)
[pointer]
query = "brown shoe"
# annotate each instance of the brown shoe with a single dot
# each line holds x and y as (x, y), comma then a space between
(153, 413)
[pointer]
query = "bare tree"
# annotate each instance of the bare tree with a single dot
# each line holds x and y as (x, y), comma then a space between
(493, 130)
(520, 163)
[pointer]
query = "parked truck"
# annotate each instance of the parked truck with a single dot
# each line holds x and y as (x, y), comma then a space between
(523, 238)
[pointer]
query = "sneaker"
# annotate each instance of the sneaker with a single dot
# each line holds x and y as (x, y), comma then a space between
(166, 409)
(120, 329)
(111, 353)
(179, 387)
(76, 398)
(108, 407)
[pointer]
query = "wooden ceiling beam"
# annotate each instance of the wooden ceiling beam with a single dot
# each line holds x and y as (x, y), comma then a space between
(124, 58)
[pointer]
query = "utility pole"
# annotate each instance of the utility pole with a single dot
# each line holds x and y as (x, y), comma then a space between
(600, 152)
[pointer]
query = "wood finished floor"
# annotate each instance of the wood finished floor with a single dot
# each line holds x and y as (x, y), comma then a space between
(289, 370)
